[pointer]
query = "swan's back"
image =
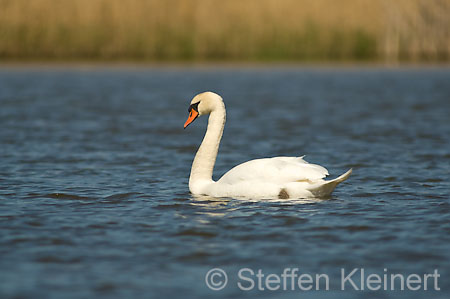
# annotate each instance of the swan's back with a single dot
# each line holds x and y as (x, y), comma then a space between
(277, 170)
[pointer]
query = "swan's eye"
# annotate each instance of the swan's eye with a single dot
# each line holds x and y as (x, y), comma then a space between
(193, 106)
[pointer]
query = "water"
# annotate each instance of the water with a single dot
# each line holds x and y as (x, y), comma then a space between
(95, 165)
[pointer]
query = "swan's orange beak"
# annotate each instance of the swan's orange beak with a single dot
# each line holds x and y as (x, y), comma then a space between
(192, 116)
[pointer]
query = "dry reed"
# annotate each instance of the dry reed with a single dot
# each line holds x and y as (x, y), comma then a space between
(155, 30)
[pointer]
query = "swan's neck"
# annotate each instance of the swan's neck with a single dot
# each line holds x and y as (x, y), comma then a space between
(203, 165)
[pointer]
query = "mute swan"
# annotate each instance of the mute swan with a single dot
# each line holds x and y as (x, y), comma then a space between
(278, 177)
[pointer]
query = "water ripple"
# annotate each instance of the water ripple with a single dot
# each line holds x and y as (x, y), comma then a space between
(94, 198)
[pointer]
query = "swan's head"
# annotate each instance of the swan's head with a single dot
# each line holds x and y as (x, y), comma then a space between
(202, 104)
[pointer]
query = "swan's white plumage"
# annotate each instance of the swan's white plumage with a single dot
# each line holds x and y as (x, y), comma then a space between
(278, 177)
(278, 170)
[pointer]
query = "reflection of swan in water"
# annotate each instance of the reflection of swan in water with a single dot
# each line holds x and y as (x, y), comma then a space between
(278, 177)
(214, 202)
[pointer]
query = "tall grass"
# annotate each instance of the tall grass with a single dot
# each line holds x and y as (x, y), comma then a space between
(258, 30)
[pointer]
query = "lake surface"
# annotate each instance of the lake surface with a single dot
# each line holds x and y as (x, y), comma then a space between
(94, 198)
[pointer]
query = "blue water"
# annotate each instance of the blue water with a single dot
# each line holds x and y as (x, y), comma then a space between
(94, 167)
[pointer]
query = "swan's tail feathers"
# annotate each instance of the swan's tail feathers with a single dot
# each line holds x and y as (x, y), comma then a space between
(325, 189)
(342, 177)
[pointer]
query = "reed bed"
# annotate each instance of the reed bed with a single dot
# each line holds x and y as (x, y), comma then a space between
(214, 30)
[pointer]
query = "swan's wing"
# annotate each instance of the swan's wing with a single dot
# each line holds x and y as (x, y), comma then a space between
(275, 170)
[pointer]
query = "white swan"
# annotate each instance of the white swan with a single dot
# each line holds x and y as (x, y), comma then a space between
(279, 177)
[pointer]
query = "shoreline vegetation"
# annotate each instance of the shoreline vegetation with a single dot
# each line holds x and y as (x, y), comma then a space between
(200, 31)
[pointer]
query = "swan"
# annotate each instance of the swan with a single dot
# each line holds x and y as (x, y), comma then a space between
(267, 178)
